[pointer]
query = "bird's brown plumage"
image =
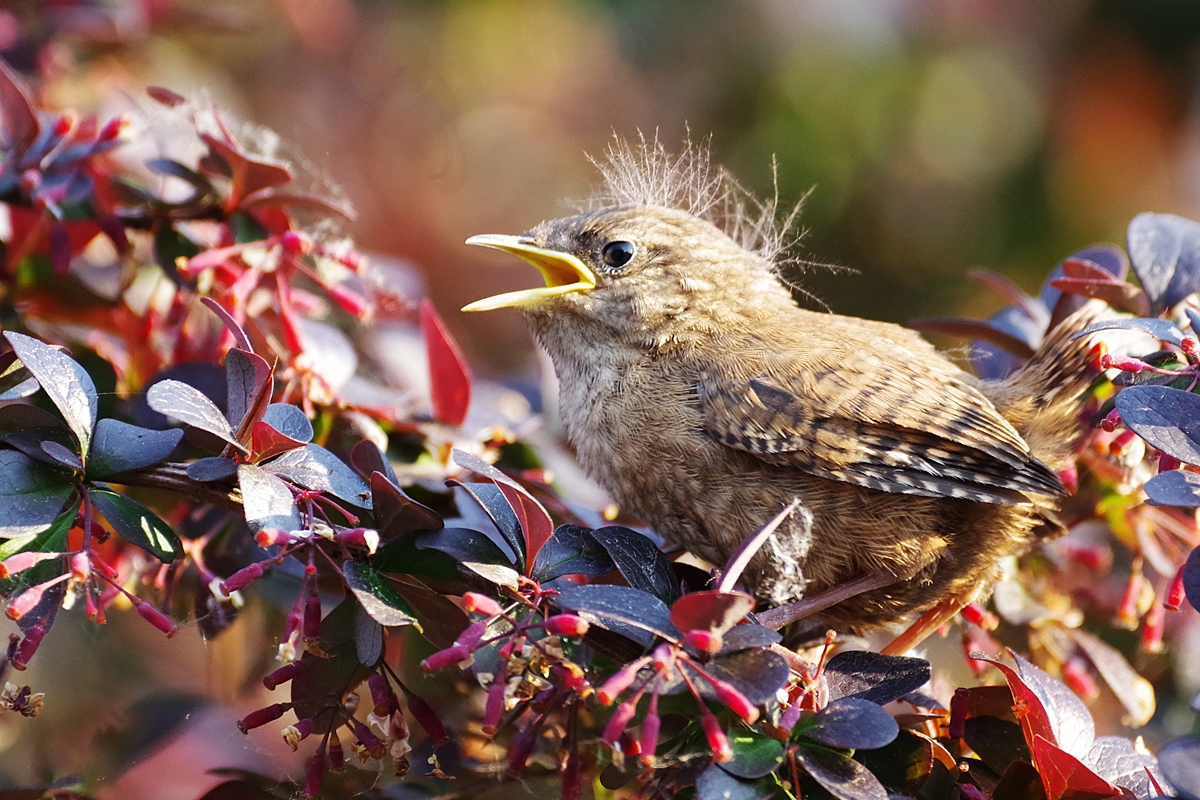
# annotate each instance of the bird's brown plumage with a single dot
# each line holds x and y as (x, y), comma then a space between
(698, 393)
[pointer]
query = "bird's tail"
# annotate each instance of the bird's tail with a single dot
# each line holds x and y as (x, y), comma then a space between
(1043, 398)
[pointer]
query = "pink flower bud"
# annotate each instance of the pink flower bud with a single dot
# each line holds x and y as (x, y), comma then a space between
(513, 645)
(360, 537)
(704, 641)
(790, 717)
(369, 740)
(618, 721)
(520, 748)
(1111, 422)
(718, 742)
(337, 754)
(294, 242)
(566, 625)
(428, 719)
(1152, 631)
(23, 561)
(312, 618)
(242, 578)
(271, 537)
(1121, 442)
(1189, 345)
(446, 658)
(960, 707)
(494, 708)
(349, 301)
(481, 604)
(1175, 594)
(313, 776)
(470, 637)
(256, 719)
(282, 675)
(572, 783)
(629, 745)
(29, 645)
(156, 618)
(737, 702)
(382, 695)
(1078, 677)
(81, 566)
(112, 129)
(27, 600)
(980, 616)
(651, 725)
(621, 680)
(968, 792)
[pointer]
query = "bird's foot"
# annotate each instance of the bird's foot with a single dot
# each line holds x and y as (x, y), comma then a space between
(779, 616)
(926, 624)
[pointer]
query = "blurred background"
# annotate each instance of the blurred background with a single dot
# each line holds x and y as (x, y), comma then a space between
(929, 136)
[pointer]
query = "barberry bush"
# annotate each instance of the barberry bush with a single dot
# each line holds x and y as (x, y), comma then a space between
(178, 440)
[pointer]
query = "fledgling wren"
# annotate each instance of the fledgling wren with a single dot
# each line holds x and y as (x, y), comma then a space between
(696, 391)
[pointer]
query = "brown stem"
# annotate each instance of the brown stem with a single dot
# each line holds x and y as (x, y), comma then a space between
(173, 477)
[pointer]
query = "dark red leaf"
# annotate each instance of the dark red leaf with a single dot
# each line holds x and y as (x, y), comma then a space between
(273, 197)
(974, 329)
(249, 174)
(998, 283)
(1118, 294)
(711, 610)
(19, 120)
(265, 441)
(1065, 777)
(239, 335)
(450, 381)
(165, 96)
(535, 521)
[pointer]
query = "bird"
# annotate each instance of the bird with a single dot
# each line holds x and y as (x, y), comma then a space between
(705, 400)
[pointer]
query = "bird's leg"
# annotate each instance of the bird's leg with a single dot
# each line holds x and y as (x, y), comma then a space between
(926, 624)
(779, 616)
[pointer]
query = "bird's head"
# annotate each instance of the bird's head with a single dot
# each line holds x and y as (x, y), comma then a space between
(638, 273)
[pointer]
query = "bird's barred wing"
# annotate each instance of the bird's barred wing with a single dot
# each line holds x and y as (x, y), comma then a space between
(876, 424)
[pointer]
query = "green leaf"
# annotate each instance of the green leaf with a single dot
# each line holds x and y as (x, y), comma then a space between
(754, 755)
(382, 602)
(51, 540)
(137, 524)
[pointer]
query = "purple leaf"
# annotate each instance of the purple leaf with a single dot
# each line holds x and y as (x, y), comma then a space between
(121, 447)
(248, 388)
(757, 673)
(571, 551)
(1165, 252)
(873, 676)
(1175, 487)
(840, 775)
(602, 605)
(1191, 578)
(213, 468)
(1167, 418)
(1180, 763)
(716, 783)
(1161, 329)
(640, 561)
(852, 723)
(396, 513)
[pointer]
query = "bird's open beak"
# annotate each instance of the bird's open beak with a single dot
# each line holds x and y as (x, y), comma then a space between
(563, 273)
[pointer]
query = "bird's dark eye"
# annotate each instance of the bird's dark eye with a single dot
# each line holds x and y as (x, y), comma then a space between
(618, 254)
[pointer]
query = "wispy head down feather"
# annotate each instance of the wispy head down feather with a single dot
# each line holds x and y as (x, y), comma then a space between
(644, 173)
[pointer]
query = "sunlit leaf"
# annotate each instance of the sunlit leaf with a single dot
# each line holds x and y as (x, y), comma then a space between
(1065, 776)
(186, 403)
(711, 610)
(1165, 252)
(571, 550)
(31, 494)
(600, 604)
(266, 500)
(67, 384)
(1167, 418)
(248, 387)
(315, 468)
(873, 676)
(640, 561)
(137, 524)
(1135, 692)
